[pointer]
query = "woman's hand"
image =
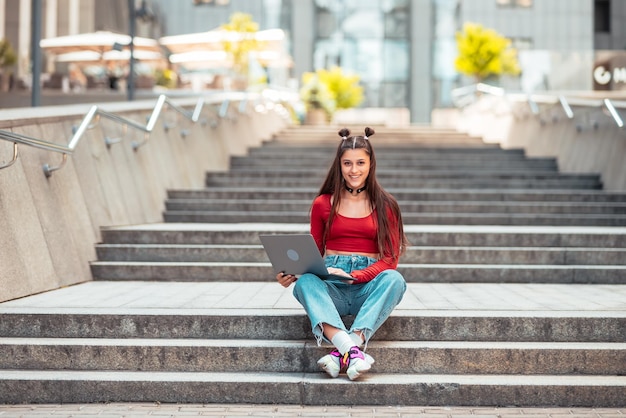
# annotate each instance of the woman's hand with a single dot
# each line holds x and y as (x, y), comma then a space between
(285, 280)
(340, 272)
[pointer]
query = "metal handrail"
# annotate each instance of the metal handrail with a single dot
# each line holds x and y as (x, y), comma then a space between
(13, 160)
(96, 113)
(614, 113)
(606, 103)
(533, 101)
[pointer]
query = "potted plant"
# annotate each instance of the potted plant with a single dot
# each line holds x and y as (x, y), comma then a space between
(7, 59)
(484, 54)
(318, 101)
(325, 91)
(239, 41)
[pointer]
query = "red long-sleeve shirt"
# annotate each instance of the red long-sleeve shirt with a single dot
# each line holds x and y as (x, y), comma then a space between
(353, 235)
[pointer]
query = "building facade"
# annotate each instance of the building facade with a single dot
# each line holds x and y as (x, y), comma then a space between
(403, 50)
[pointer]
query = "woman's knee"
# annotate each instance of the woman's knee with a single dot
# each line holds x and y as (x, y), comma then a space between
(304, 282)
(307, 280)
(393, 279)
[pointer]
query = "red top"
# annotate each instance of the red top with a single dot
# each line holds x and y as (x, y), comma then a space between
(353, 235)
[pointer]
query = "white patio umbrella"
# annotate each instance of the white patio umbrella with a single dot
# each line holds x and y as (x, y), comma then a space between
(205, 49)
(100, 42)
(93, 57)
(270, 39)
(201, 59)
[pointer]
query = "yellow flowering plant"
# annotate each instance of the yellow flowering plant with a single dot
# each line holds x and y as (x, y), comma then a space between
(315, 94)
(330, 90)
(166, 78)
(243, 40)
(344, 88)
(7, 54)
(484, 53)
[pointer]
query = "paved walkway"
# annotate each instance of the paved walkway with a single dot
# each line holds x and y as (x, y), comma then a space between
(196, 298)
(232, 411)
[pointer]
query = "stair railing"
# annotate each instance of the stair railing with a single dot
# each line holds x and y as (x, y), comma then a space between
(614, 113)
(590, 109)
(95, 114)
(466, 95)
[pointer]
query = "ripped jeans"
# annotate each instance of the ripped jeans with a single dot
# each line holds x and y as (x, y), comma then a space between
(371, 303)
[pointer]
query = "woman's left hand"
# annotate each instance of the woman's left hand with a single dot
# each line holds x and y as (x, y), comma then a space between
(285, 280)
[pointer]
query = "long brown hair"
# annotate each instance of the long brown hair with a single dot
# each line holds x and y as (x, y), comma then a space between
(379, 198)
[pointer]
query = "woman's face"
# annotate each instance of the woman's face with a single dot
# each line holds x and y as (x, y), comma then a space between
(355, 167)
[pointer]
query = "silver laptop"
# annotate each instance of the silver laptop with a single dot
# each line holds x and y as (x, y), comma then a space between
(296, 254)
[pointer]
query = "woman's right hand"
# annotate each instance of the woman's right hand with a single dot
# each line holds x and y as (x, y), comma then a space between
(285, 280)
(339, 272)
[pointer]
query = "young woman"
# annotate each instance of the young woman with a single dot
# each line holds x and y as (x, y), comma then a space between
(358, 229)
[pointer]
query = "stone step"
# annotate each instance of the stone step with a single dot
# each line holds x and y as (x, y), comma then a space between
(253, 356)
(266, 311)
(255, 324)
(414, 254)
(51, 386)
(292, 205)
(402, 139)
(412, 150)
(418, 235)
(478, 172)
(457, 143)
(292, 162)
(467, 195)
(591, 182)
(397, 175)
(415, 218)
(419, 273)
(407, 160)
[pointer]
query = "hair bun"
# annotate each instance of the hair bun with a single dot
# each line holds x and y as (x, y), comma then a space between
(369, 132)
(344, 133)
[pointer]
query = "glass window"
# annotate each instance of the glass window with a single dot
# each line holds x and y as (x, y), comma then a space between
(397, 23)
(602, 16)
(363, 24)
(369, 60)
(394, 95)
(522, 44)
(515, 3)
(326, 54)
(396, 62)
(330, 5)
(326, 24)
(215, 2)
(389, 6)
(371, 39)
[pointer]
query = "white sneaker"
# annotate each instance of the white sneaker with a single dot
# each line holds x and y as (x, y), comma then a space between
(331, 363)
(357, 363)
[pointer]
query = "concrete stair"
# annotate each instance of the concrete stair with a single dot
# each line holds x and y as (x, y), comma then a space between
(450, 184)
(213, 342)
(185, 252)
(516, 292)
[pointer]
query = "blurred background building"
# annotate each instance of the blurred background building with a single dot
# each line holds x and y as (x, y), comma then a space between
(403, 50)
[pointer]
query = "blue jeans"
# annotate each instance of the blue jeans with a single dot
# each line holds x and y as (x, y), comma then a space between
(326, 301)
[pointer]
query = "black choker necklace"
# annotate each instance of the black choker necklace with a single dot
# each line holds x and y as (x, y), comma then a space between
(351, 190)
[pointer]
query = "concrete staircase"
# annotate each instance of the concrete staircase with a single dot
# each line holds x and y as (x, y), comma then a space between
(516, 290)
